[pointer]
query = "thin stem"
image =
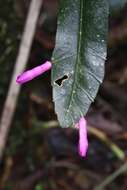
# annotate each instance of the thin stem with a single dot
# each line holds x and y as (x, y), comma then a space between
(21, 61)
(112, 177)
(119, 153)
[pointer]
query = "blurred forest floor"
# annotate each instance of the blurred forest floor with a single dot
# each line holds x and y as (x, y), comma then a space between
(39, 154)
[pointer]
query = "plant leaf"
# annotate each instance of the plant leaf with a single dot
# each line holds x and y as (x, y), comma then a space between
(78, 57)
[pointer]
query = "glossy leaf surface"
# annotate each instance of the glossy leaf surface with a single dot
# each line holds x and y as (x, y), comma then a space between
(78, 57)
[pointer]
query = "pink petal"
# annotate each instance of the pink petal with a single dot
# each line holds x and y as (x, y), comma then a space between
(31, 74)
(83, 141)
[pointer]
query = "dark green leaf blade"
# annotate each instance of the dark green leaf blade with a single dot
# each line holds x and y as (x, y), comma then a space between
(78, 57)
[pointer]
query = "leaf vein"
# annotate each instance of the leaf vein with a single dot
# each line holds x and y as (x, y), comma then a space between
(64, 58)
(78, 51)
(87, 94)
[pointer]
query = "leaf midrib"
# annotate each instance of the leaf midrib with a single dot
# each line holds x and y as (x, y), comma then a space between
(78, 53)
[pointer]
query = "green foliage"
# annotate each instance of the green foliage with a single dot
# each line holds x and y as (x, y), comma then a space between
(39, 186)
(78, 57)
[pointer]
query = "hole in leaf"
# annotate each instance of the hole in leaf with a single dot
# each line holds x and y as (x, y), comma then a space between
(61, 80)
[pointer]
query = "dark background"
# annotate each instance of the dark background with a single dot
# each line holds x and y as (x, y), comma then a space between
(39, 155)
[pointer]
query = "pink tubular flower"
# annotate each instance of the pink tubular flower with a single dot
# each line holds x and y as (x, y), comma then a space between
(83, 141)
(31, 74)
